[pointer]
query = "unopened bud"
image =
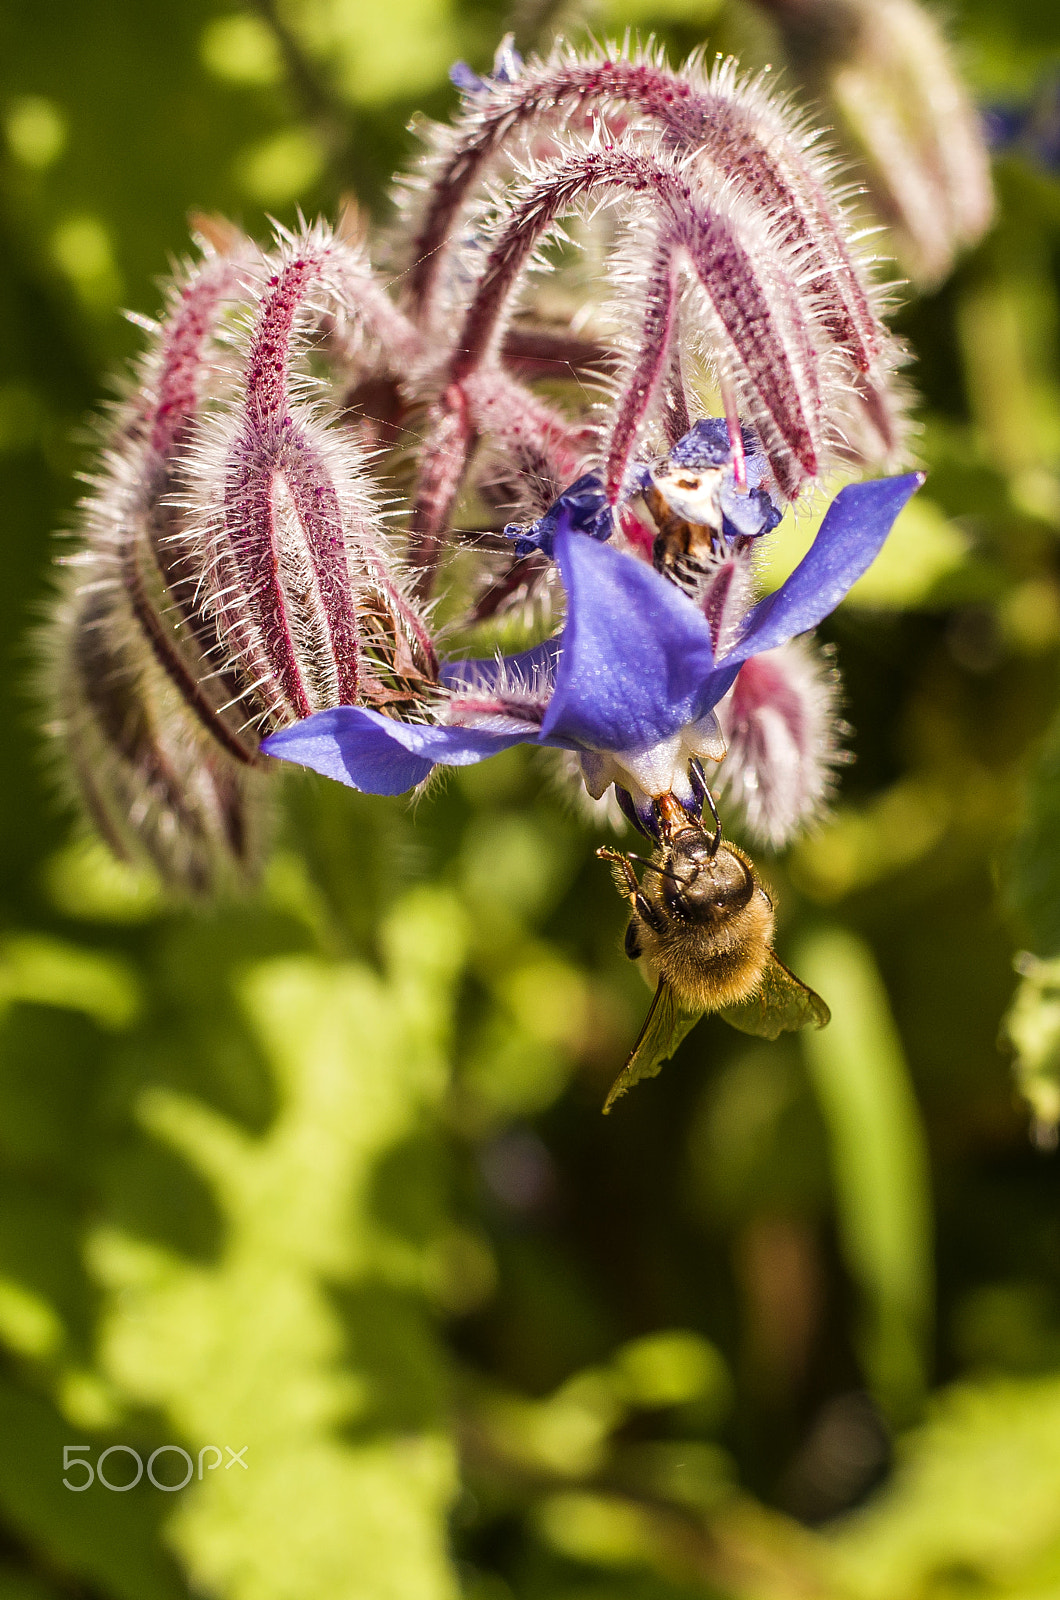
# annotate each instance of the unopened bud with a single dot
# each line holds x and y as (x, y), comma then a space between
(235, 576)
(889, 77)
(780, 725)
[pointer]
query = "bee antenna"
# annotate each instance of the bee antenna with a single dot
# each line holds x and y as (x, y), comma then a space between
(715, 838)
(696, 770)
(663, 872)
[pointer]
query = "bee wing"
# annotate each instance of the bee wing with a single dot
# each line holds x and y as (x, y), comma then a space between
(664, 1027)
(782, 1004)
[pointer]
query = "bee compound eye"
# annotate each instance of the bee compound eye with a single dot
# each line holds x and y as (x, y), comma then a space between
(733, 883)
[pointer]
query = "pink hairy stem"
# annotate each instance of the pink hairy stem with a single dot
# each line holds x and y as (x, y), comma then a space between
(366, 316)
(166, 652)
(451, 433)
(450, 437)
(469, 708)
(768, 170)
(546, 453)
(374, 312)
(548, 353)
(184, 344)
(107, 684)
(544, 447)
(732, 422)
(758, 331)
(642, 379)
(524, 570)
(270, 454)
(266, 373)
(169, 420)
(542, 444)
(724, 601)
(676, 420)
(529, 351)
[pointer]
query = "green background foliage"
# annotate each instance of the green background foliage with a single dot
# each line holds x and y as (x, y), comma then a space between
(321, 1172)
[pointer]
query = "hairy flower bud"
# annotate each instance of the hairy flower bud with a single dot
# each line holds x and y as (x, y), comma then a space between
(887, 72)
(734, 246)
(780, 723)
(235, 575)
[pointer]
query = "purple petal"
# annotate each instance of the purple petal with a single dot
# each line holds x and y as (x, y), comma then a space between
(636, 653)
(378, 755)
(508, 64)
(747, 515)
(589, 512)
(850, 537)
(463, 78)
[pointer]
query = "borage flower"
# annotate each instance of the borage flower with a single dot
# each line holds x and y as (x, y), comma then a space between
(239, 569)
(630, 684)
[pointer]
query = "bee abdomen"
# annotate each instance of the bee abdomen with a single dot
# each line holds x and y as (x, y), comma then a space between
(723, 978)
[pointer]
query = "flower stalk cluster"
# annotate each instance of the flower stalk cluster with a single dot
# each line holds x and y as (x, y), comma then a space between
(236, 573)
(275, 510)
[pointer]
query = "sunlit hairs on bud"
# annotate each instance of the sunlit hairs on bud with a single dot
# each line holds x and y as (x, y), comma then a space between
(286, 520)
(781, 724)
(234, 573)
(890, 83)
(160, 765)
(734, 246)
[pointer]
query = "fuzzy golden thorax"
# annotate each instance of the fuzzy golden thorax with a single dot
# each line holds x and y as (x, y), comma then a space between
(703, 922)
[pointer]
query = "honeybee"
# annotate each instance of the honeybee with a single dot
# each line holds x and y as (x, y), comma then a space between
(686, 509)
(703, 932)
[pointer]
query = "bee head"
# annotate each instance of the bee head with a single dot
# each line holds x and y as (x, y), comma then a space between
(705, 885)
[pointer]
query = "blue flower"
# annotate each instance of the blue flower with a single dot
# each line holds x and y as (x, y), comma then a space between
(507, 67)
(746, 513)
(630, 683)
(585, 508)
(704, 456)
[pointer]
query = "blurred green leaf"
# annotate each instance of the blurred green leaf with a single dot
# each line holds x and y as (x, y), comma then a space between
(84, 880)
(309, 1339)
(923, 548)
(601, 1529)
(859, 846)
(101, 1538)
(46, 972)
(879, 1161)
(974, 1507)
(1033, 881)
(672, 1368)
(1032, 1027)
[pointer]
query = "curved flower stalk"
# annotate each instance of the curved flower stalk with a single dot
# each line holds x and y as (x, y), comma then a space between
(719, 189)
(630, 684)
(234, 572)
(737, 127)
(887, 73)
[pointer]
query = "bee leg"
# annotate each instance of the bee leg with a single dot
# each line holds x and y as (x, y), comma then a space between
(623, 869)
(642, 906)
(631, 944)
